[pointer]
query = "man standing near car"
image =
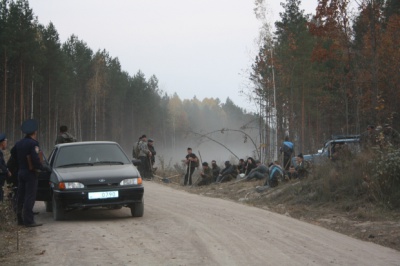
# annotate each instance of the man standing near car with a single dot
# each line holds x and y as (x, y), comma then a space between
(145, 157)
(150, 146)
(29, 162)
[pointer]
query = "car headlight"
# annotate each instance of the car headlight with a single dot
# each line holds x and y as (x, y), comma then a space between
(70, 185)
(131, 181)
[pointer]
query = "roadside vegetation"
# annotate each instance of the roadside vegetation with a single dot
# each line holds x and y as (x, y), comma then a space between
(358, 197)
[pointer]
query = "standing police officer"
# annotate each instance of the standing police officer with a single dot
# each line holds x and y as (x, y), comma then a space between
(29, 163)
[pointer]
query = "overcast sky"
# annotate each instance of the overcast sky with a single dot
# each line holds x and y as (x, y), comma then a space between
(201, 48)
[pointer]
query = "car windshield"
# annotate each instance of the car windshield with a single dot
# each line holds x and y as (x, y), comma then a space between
(90, 154)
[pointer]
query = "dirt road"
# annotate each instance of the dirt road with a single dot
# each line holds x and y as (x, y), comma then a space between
(179, 228)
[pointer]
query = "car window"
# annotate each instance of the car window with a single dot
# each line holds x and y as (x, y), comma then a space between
(90, 154)
(51, 157)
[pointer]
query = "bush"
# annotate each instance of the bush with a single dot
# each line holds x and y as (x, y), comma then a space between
(385, 177)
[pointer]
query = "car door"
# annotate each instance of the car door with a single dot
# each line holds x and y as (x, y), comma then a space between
(44, 189)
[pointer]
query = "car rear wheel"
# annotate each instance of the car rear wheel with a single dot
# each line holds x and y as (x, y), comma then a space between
(137, 209)
(58, 211)
(49, 206)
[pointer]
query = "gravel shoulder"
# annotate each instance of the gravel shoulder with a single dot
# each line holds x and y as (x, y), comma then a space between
(181, 228)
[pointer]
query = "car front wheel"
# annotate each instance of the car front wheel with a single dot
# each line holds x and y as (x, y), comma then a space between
(58, 211)
(49, 206)
(137, 209)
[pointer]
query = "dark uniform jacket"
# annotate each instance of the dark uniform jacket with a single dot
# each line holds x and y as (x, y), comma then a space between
(28, 147)
(3, 166)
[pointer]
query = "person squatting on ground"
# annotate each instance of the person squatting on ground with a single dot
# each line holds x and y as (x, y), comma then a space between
(287, 149)
(191, 162)
(276, 173)
(145, 158)
(64, 137)
(301, 168)
(259, 172)
(291, 174)
(227, 174)
(4, 172)
(29, 158)
(206, 175)
(215, 170)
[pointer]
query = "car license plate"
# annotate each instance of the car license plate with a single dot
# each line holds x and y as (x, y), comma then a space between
(103, 195)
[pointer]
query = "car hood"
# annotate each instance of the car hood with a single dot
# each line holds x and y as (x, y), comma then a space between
(93, 174)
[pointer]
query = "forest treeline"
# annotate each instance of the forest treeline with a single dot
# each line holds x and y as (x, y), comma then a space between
(70, 84)
(333, 72)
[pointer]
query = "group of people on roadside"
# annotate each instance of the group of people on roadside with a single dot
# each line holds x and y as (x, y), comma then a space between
(144, 150)
(246, 170)
(381, 136)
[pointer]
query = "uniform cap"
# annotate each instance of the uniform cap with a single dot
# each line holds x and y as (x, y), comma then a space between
(300, 155)
(29, 126)
(205, 164)
(150, 140)
(3, 137)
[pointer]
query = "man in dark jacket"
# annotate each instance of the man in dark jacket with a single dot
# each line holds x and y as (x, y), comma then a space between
(191, 162)
(260, 172)
(29, 157)
(228, 173)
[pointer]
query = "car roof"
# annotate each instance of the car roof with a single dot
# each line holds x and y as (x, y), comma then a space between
(342, 140)
(85, 143)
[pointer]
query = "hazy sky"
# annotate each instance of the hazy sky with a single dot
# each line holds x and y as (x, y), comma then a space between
(201, 48)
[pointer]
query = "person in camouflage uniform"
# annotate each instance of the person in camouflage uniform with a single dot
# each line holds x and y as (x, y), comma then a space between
(145, 157)
(206, 175)
(215, 170)
(64, 137)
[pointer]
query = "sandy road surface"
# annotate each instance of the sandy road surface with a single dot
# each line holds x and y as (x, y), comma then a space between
(179, 228)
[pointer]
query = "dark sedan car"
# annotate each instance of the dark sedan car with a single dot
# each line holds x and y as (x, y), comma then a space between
(90, 174)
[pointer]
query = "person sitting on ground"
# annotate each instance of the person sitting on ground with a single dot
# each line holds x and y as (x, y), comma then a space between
(228, 173)
(276, 173)
(292, 174)
(241, 166)
(301, 168)
(215, 170)
(250, 165)
(259, 172)
(206, 175)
